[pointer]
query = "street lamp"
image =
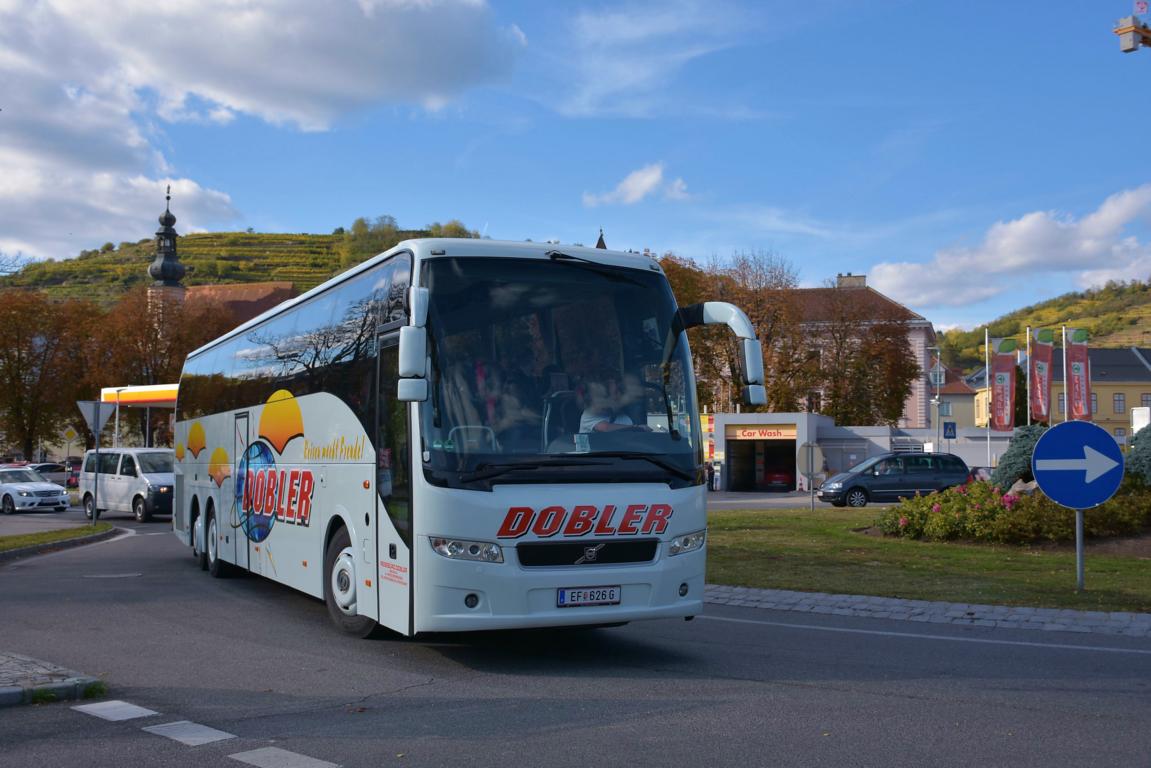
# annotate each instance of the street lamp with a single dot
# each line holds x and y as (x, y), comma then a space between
(936, 401)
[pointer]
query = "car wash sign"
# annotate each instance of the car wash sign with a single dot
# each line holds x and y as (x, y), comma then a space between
(760, 432)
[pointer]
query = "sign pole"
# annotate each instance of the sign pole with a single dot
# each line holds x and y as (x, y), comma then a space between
(95, 471)
(1079, 550)
(811, 473)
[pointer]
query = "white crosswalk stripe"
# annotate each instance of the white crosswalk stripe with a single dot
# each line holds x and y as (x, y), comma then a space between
(274, 757)
(187, 732)
(114, 710)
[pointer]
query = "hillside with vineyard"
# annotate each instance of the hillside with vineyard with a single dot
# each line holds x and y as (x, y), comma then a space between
(305, 260)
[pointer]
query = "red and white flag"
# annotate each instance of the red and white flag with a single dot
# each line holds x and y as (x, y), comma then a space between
(1003, 384)
(1042, 351)
(1077, 377)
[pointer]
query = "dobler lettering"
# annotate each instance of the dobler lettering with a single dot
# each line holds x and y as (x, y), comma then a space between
(584, 519)
(285, 494)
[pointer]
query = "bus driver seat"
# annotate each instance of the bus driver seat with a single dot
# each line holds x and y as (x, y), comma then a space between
(561, 421)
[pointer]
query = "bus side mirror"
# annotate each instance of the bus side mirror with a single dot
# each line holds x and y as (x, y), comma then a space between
(412, 390)
(413, 351)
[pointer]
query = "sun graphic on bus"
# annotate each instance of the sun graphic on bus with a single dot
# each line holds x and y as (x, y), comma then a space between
(281, 421)
(197, 442)
(219, 467)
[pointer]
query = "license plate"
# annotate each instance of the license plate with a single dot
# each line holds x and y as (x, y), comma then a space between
(571, 597)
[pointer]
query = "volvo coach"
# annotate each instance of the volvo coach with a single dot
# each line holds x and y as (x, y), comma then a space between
(460, 435)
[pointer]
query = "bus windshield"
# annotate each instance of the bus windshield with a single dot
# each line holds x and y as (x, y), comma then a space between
(559, 370)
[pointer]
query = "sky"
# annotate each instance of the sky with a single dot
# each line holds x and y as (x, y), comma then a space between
(969, 158)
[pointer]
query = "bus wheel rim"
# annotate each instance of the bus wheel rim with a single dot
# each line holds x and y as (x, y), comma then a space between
(343, 581)
(212, 540)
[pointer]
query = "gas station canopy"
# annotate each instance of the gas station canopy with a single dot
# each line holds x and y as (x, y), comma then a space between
(142, 396)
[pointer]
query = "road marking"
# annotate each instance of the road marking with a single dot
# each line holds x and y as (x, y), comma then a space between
(189, 733)
(922, 636)
(114, 710)
(274, 757)
(111, 575)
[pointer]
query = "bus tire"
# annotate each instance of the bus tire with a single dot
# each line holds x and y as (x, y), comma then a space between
(216, 567)
(340, 582)
(198, 537)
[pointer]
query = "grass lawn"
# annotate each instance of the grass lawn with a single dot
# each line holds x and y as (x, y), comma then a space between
(47, 537)
(821, 552)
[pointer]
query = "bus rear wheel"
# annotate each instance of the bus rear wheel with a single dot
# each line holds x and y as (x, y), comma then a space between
(340, 587)
(216, 567)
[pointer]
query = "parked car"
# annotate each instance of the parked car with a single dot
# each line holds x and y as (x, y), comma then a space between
(22, 490)
(892, 476)
(135, 480)
(52, 471)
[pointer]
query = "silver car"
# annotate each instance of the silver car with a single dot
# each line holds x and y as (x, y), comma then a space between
(23, 490)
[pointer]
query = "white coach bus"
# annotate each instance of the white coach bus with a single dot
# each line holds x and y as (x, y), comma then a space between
(459, 435)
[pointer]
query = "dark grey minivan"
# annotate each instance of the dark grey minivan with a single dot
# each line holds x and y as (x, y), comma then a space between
(892, 476)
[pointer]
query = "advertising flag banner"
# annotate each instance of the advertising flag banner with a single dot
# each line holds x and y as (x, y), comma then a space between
(1077, 378)
(1003, 384)
(1042, 352)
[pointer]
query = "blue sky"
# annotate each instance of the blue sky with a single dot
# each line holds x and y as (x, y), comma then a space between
(970, 158)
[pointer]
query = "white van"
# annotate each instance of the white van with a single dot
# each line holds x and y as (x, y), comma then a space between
(136, 480)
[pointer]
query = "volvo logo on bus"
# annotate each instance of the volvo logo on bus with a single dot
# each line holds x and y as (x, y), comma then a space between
(590, 554)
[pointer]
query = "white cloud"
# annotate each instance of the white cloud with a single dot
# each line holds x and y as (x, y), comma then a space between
(1025, 248)
(87, 90)
(638, 185)
(622, 59)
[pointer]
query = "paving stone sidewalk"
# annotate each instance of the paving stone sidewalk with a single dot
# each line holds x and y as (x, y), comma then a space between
(1047, 619)
(24, 680)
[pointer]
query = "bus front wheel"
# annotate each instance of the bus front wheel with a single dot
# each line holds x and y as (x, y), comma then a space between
(340, 587)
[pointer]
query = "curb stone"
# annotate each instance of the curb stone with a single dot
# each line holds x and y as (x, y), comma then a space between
(965, 614)
(24, 680)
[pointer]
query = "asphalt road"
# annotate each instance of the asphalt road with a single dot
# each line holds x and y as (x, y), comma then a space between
(736, 687)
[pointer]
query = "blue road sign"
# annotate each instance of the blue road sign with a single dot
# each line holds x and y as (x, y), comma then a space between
(949, 430)
(1077, 464)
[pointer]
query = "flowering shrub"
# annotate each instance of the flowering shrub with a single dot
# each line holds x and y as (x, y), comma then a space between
(982, 512)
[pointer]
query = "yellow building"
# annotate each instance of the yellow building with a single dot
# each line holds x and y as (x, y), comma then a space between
(1120, 381)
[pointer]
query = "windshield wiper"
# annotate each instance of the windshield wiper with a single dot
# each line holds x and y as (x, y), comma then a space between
(656, 460)
(486, 471)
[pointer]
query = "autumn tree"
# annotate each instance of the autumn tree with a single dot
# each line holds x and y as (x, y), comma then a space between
(866, 363)
(38, 367)
(146, 338)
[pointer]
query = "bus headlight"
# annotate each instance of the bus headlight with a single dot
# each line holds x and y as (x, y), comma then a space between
(462, 549)
(689, 542)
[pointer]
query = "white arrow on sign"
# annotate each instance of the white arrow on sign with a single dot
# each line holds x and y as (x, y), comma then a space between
(1093, 462)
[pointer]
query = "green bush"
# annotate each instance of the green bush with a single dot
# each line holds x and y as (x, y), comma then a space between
(1016, 462)
(1139, 456)
(982, 512)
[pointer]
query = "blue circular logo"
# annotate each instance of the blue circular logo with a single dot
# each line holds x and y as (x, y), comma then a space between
(257, 467)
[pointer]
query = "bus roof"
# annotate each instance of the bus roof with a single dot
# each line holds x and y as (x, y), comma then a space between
(448, 247)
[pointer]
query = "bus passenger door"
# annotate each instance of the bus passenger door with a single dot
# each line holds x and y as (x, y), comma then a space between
(232, 496)
(393, 491)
